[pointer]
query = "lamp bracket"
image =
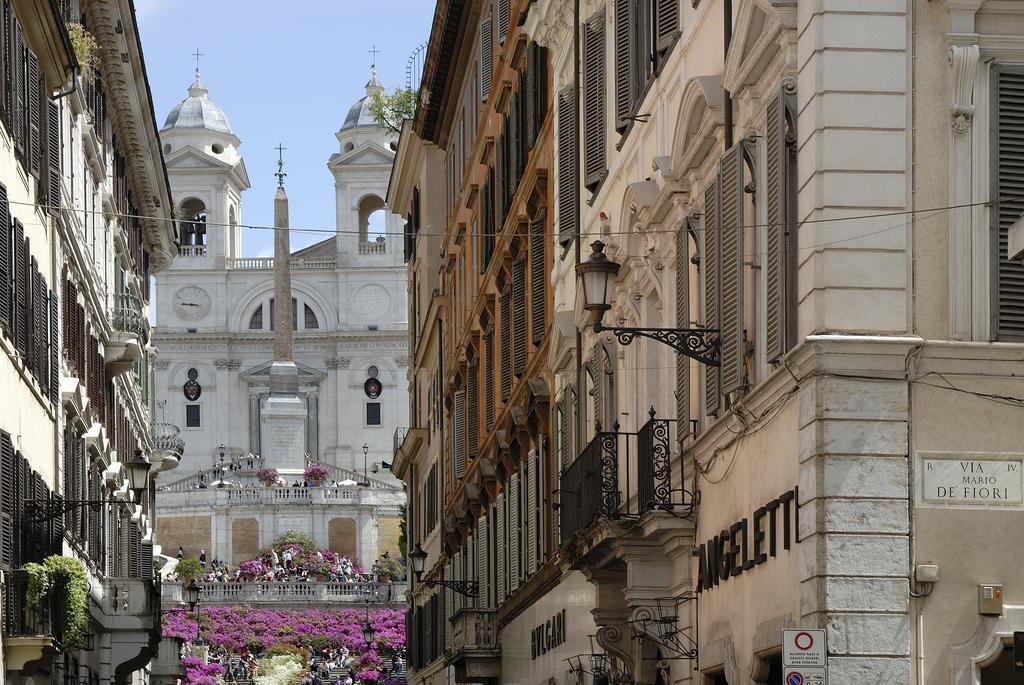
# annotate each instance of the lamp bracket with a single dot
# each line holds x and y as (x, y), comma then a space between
(701, 344)
(468, 588)
(42, 510)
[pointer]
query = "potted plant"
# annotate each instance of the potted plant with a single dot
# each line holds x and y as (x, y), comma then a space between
(316, 473)
(388, 568)
(268, 476)
(62, 579)
(189, 569)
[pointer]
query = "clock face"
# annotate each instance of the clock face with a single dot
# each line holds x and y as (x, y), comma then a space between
(191, 303)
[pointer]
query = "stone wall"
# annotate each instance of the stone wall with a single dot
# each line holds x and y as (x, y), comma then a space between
(191, 532)
(389, 529)
(341, 537)
(245, 540)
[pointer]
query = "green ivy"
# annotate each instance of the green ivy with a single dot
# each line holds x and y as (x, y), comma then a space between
(66, 577)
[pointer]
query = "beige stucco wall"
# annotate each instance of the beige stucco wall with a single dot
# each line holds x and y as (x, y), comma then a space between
(245, 540)
(388, 532)
(191, 532)
(341, 537)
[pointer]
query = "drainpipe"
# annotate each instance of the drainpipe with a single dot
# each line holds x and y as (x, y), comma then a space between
(727, 26)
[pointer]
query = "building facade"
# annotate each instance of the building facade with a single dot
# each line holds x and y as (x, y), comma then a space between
(824, 191)
(84, 221)
(215, 319)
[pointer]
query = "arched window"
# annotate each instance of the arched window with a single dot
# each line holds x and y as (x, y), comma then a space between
(256, 321)
(193, 225)
(371, 219)
(309, 318)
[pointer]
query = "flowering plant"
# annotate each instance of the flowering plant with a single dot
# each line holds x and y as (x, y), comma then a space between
(198, 672)
(316, 473)
(268, 476)
(252, 568)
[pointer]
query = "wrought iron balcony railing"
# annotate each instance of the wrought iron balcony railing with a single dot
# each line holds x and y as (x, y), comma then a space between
(606, 481)
(127, 316)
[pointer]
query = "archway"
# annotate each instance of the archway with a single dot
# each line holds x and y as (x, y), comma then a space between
(193, 222)
(372, 220)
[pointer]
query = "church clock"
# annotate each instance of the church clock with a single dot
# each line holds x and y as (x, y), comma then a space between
(191, 303)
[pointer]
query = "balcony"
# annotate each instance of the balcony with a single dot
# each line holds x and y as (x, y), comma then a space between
(129, 328)
(192, 251)
(129, 612)
(288, 593)
(267, 263)
(168, 444)
(475, 653)
(32, 635)
(606, 482)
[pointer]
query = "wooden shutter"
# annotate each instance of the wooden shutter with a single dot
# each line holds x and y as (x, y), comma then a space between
(515, 532)
(538, 279)
(486, 58)
(483, 572)
(459, 434)
(31, 345)
(8, 66)
(506, 342)
(53, 158)
(531, 508)
(7, 252)
(624, 88)
(18, 84)
(500, 183)
(594, 133)
(733, 365)
(500, 546)
(780, 297)
(21, 287)
(54, 343)
(35, 117)
(711, 264)
(568, 175)
(472, 411)
(449, 606)
(8, 512)
(666, 17)
(40, 318)
(529, 92)
(1008, 313)
(489, 381)
(519, 317)
(501, 11)
(134, 551)
(683, 321)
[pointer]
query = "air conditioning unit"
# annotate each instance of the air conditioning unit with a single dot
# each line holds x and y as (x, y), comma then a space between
(1015, 240)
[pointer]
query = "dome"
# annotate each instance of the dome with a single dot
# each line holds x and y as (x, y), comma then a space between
(198, 111)
(359, 115)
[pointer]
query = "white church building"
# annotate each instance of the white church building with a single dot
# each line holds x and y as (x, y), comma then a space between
(214, 334)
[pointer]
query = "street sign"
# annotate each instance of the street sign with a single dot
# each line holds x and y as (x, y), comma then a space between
(805, 675)
(804, 647)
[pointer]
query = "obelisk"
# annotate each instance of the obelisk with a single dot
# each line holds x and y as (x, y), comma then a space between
(283, 416)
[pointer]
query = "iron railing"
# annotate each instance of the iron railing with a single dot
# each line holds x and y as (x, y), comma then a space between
(127, 316)
(22, 619)
(606, 481)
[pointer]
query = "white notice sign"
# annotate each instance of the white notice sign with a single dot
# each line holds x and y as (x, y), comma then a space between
(973, 481)
(803, 647)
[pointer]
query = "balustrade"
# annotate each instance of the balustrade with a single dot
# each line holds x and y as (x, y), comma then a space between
(283, 592)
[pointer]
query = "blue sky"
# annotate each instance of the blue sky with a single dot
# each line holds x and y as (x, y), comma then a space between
(283, 72)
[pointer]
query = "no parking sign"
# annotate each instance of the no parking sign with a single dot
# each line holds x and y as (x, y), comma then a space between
(804, 655)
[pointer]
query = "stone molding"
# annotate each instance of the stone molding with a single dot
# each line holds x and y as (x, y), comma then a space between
(968, 658)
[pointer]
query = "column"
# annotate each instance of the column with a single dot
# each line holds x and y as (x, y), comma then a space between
(312, 423)
(254, 421)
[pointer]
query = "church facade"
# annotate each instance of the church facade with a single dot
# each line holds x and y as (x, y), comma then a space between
(214, 331)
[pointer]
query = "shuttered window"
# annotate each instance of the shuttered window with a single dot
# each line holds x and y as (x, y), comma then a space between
(530, 518)
(489, 381)
(500, 548)
(1008, 312)
(568, 175)
(20, 294)
(624, 87)
(34, 117)
(506, 342)
(595, 135)
(683, 321)
(501, 12)
(459, 435)
(515, 532)
(53, 158)
(712, 287)
(666, 18)
(538, 278)
(482, 564)
(9, 509)
(472, 411)
(18, 84)
(780, 206)
(7, 252)
(519, 317)
(486, 58)
(732, 229)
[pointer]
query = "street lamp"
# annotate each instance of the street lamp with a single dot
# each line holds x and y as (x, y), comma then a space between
(368, 633)
(192, 592)
(136, 472)
(596, 275)
(366, 479)
(418, 559)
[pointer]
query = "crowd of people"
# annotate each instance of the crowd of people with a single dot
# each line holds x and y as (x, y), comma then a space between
(331, 666)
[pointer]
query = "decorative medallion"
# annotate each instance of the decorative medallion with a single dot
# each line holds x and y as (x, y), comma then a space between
(372, 388)
(192, 389)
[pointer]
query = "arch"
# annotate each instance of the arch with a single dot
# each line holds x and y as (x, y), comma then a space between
(193, 221)
(244, 309)
(984, 647)
(701, 111)
(372, 218)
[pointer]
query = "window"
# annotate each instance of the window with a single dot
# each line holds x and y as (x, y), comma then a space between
(193, 227)
(192, 416)
(309, 318)
(594, 124)
(373, 413)
(1008, 304)
(256, 321)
